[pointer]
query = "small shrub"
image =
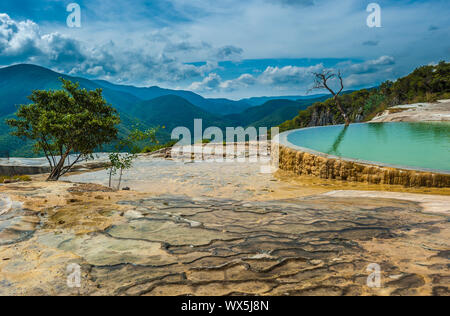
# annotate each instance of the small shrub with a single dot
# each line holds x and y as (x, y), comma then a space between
(16, 178)
(153, 148)
(397, 110)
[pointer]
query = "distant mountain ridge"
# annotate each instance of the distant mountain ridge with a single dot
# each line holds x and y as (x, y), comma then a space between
(269, 113)
(152, 106)
(154, 113)
(255, 101)
(18, 81)
(216, 106)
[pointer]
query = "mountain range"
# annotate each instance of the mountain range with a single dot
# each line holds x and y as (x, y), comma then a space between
(255, 101)
(147, 106)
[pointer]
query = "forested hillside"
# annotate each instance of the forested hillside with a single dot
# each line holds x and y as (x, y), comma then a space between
(143, 107)
(425, 84)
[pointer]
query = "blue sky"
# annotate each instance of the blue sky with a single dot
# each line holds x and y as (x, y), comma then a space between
(227, 48)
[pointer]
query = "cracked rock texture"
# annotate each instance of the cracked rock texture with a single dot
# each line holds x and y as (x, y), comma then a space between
(136, 244)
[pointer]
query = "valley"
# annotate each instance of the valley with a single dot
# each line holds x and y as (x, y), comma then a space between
(143, 107)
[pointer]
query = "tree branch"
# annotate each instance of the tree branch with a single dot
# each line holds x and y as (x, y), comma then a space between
(341, 80)
(321, 80)
(49, 152)
(68, 168)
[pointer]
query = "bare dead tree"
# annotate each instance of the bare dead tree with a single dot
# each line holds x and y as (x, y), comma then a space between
(322, 81)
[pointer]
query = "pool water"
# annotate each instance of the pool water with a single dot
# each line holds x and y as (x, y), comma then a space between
(415, 145)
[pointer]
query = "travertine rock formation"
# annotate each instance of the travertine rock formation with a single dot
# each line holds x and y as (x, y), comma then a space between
(327, 168)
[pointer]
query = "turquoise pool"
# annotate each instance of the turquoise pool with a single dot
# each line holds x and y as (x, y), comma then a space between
(413, 145)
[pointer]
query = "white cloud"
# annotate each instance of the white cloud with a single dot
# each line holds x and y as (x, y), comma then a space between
(275, 77)
(290, 75)
(370, 72)
(165, 37)
(24, 42)
(300, 79)
(242, 81)
(372, 66)
(211, 82)
(18, 38)
(229, 53)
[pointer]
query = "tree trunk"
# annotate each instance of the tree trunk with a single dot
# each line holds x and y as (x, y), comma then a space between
(110, 177)
(56, 172)
(120, 178)
(344, 115)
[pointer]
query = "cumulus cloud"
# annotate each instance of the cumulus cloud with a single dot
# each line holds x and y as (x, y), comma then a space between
(185, 46)
(288, 75)
(242, 81)
(370, 72)
(19, 39)
(211, 82)
(372, 66)
(24, 42)
(229, 53)
(291, 78)
(279, 78)
(167, 39)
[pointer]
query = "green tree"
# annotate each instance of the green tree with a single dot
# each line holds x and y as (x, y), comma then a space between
(65, 122)
(121, 160)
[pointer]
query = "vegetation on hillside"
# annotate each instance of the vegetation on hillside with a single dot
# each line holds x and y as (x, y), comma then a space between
(425, 84)
(153, 148)
(146, 107)
(322, 81)
(9, 179)
(270, 114)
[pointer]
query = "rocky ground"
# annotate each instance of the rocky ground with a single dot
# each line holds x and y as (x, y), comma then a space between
(250, 234)
(224, 229)
(422, 112)
(135, 244)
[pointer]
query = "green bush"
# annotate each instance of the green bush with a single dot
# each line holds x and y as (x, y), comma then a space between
(18, 178)
(153, 148)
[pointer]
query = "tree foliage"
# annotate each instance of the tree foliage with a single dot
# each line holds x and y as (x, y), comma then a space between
(65, 122)
(121, 160)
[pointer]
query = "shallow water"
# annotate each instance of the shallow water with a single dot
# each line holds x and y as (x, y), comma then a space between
(43, 162)
(416, 145)
(159, 176)
(5, 205)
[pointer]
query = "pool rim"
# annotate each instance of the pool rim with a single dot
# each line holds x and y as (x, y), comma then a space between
(282, 139)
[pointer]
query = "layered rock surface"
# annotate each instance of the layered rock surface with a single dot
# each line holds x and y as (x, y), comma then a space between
(304, 163)
(136, 244)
